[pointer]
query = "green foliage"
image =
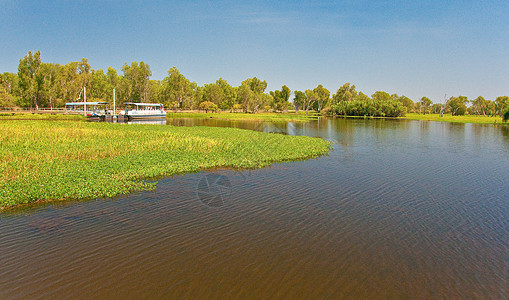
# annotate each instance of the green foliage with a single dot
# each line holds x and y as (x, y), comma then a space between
(425, 105)
(42, 160)
(407, 102)
(505, 116)
(299, 100)
(207, 105)
(177, 88)
(136, 77)
(30, 78)
(382, 105)
(322, 97)
(457, 105)
(251, 95)
(346, 92)
(280, 98)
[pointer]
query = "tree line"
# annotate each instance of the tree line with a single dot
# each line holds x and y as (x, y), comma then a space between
(40, 84)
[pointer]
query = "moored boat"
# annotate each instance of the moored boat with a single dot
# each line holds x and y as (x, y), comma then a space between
(143, 111)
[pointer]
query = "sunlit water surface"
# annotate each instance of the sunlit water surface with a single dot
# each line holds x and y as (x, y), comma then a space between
(399, 209)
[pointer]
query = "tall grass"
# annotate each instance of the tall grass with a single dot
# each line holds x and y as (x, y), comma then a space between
(42, 160)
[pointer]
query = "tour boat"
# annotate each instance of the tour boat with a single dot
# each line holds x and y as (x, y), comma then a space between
(142, 111)
(92, 110)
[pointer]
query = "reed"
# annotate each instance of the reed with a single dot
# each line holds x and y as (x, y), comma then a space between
(42, 161)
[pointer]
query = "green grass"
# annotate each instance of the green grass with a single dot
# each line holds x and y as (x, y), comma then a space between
(245, 117)
(42, 161)
(36, 116)
(458, 119)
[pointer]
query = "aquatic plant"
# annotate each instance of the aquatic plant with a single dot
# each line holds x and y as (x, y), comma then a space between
(41, 161)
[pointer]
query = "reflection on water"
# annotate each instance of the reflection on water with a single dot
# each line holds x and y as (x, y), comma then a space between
(399, 209)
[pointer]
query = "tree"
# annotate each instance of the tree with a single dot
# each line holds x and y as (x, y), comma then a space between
(309, 100)
(177, 88)
(381, 96)
(30, 79)
(502, 103)
(505, 116)
(207, 105)
(6, 99)
(346, 92)
(407, 102)
(229, 94)
(213, 93)
(425, 104)
(457, 105)
(479, 106)
(50, 91)
(299, 100)
(281, 98)
(251, 94)
(138, 76)
(322, 97)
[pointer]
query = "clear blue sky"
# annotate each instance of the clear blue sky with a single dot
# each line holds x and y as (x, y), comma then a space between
(413, 48)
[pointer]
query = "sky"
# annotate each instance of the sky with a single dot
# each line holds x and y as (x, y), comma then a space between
(412, 48)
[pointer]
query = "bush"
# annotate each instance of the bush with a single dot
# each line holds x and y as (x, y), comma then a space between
(207, 105)
(377, 108)
(505, 117)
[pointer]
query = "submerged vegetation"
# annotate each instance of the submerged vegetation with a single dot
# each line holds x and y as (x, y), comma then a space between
(41, 161)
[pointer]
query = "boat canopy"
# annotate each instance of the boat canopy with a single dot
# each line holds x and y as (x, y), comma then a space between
(144, 104)
(83, 103)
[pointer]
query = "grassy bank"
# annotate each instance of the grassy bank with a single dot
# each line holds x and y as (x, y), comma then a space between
(244, 116)
(41, 161)
(457, 119)
(37, 116)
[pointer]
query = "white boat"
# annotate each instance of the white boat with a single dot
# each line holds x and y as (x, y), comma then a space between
(92, 110)
(142, 111)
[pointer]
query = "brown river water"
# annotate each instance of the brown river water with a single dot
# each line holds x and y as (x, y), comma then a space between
(398, 210)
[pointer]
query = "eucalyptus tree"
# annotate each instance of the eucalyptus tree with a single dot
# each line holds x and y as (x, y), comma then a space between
(177, 88)
(30, 78)
(51, 94)
(322, 97)
(479, 106)
(10, 82)
(346, 92)
(425, 103)
(502, 102)
(229, 94)
(213, 93)
(309, 100)
(299, 100)
(407, 102)
(280, 98)
(6, 99)
(381, 96)
(137, 76)
(251, 94)
(457, 105)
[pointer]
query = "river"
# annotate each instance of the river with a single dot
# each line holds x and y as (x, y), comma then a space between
(398, 210)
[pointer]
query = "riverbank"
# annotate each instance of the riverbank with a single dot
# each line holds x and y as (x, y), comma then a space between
(287, 117)
(41, 116)
(45, 161)
(454, 119)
